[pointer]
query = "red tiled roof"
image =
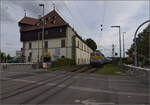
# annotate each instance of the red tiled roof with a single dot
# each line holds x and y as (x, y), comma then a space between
(52, 19)
(28, 20)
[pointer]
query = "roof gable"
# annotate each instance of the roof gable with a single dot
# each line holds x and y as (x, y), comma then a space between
(54, 18)
(51, 19)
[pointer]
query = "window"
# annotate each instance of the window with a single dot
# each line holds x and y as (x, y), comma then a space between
(62, 43)
(46, 19)
(54, 17)
(46, 32)
(30, 45)
(38, 24)
(78, 44)
(39, 35)
(52, 22)
(60, 30)
(82, 46)
(46, 44)
(30, 57)
(30, 54)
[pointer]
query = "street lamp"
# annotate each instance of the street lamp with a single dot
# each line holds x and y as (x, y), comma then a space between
(123, 46)
(119, 41)
(135, 42)
(42, 5)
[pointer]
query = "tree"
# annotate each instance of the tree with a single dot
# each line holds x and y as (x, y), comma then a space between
(143, 45)
(2, 56)
(91, 43)
(8, 57)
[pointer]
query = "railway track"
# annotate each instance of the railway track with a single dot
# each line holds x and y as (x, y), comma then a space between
(43, 99)
(66, 76)
(92, 70)
(41, 82)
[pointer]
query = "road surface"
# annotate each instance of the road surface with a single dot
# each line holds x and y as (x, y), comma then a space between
(61, 87)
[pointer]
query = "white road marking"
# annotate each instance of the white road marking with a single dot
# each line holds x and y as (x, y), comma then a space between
(92, 78)
(77, 101)
(82, 88)
(93, 102)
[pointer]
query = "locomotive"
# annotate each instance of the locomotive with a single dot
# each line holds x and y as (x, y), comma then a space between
(97, 58)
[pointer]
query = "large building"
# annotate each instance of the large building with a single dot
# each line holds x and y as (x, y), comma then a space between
(60, 39)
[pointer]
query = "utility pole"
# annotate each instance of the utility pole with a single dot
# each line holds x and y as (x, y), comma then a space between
(113, 51)
(123, 46)
(42, 5)
(25, 13)
(119, 42)
(53, 6)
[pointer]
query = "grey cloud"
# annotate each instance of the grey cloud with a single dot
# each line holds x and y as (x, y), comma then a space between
(5, 16)
(31, 7)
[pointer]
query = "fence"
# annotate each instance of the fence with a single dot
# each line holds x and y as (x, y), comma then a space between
(17, 66)
(137, 72)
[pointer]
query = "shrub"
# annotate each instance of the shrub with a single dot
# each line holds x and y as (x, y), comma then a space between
(63, 62)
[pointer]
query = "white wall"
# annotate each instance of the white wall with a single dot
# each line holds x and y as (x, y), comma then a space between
(82, 52)
(52, 45)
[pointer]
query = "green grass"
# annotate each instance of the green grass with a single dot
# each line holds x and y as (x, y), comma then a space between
(109, 69)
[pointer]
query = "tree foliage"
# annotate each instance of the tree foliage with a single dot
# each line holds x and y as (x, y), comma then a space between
(4, 58)
(91, 43)
(143, 45)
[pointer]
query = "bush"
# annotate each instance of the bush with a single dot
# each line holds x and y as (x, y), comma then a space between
(128, 62)
(116, 60)
(63, 62)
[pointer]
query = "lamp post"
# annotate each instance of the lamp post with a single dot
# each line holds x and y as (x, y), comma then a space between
(135, 42)
(119, 42)
(42, 5)
(123, 46)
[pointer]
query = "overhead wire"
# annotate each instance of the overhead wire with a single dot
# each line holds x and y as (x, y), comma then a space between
(72, 16)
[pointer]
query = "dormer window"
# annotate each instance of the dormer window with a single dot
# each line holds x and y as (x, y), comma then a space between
(46, 32)
(53, 17)
(60, 30)
(52, 22)
(37, 24)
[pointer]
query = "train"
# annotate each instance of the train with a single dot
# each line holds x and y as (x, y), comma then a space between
(97, 58)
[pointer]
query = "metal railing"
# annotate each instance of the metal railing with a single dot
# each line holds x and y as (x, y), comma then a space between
(9, 66)
(138, 72)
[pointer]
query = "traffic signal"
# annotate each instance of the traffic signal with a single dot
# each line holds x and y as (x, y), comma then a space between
(116, 54)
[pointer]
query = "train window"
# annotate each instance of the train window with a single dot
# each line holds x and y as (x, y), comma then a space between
(97, 54)
(92, 54)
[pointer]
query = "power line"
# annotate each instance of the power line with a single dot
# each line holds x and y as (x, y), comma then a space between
(75, 20)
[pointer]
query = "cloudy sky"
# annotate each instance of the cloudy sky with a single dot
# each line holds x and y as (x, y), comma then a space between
(85, 17)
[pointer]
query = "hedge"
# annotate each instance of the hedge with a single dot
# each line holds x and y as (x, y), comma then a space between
(63, 62)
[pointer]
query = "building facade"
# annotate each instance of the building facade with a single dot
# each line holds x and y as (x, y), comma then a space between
(60, 39)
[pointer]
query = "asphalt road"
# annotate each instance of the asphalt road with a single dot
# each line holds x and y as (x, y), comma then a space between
(60, 87)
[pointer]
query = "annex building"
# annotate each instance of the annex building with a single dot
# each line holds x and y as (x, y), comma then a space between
(60, 39)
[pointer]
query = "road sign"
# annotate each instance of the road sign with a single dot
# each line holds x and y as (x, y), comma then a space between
(57, 51)
(134, 53)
